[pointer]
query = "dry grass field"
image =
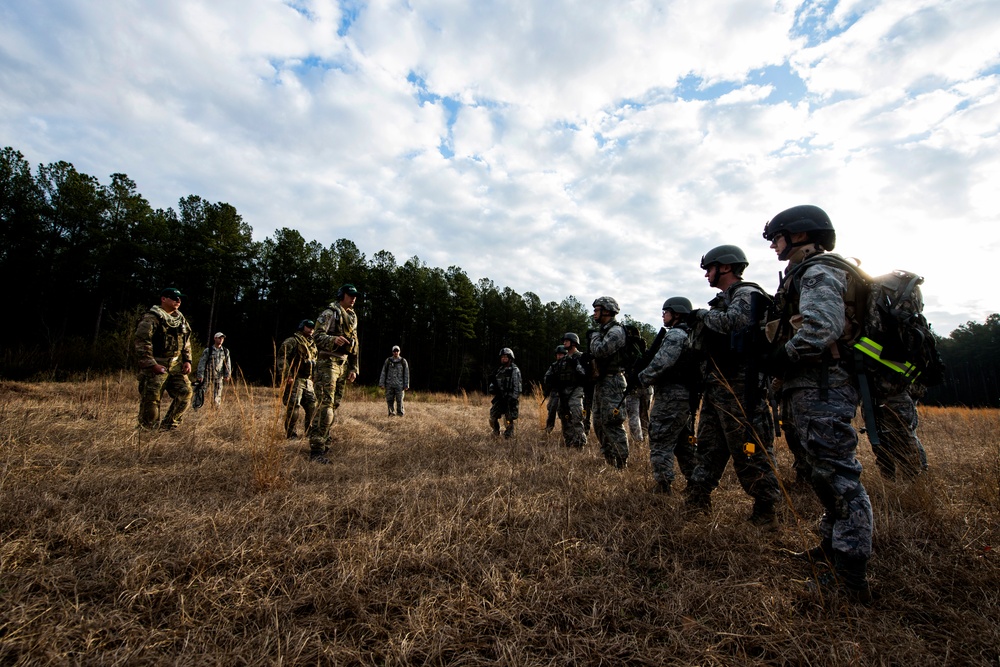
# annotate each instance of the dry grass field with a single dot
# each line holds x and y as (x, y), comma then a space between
(428, 542)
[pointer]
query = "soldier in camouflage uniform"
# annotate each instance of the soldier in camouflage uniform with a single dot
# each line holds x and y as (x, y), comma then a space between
(336, 337)
(163, 348)
(900, 450)
(395, 379)
(724, 430)
(820, 390)
(673, 372)
(549, 383)
(215, 367)
(298, 359)
(571, 377)
(606, 344)
(506, 390)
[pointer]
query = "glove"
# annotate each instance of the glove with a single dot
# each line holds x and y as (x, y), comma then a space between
(699, 314)
(778, 361)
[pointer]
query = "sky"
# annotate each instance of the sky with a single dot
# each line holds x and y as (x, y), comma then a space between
(560, 147)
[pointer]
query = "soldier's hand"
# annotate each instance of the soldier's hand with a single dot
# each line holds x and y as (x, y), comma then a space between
(158, 369)
(186, 368)
(352, 376)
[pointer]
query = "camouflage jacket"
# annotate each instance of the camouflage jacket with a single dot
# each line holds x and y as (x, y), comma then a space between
(606, 344)
(813, 319)
(395, 373)
(298, 356)
(729, 312)
(162, 339)
(215, 364)
(339, 321)
(506, 382)
(667, 368)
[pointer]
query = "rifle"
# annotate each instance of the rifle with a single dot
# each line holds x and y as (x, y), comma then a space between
(747, 342)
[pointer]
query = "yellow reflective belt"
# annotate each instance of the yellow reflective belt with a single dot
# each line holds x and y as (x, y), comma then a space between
(874, 350)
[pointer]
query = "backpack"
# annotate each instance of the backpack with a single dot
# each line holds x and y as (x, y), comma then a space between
(885, 323)
(633, 351)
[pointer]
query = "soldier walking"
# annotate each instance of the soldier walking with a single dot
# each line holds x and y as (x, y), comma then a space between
(395, 379)
(336, 336)
(506, 390)
(298, 359)
(163, 347)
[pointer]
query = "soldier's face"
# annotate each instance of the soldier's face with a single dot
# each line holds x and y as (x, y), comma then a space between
(169, 305)
(778, 244)
(504, 359)
(307, 331)
(668, 317)
(348, 300)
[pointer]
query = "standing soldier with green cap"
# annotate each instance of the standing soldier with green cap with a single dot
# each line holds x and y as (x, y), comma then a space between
(336, 336)
(606, 343)
(298, 358)
(163, 347)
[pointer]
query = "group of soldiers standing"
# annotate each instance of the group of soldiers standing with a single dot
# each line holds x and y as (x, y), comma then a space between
(717, 367)
(725, 368)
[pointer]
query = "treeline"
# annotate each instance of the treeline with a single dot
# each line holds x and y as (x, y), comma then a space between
(81, 260)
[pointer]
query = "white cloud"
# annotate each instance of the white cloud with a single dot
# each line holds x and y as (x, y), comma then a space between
(578, 167)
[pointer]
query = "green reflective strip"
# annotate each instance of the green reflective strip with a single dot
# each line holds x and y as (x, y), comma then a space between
(874, 350)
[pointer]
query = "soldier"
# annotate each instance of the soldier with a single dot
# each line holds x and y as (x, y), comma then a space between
(550, 383)
(674, 373)
(395, 379)
(506, 390)
(571, 377)
(298, 359)
(336, 336)
(735, 421)
(606, 344)
(820, 390)
(900, 450)
(215, 367)
(163, 348)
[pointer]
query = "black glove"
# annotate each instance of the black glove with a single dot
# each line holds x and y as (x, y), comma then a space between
(778, 361)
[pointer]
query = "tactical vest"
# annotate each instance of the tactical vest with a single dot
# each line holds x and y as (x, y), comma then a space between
(168, 341)
(724, 350)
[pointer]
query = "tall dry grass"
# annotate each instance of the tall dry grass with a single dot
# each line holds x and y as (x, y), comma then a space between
(426, 541)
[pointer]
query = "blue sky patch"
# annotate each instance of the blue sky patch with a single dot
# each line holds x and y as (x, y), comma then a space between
(349, 11)
(811, 22)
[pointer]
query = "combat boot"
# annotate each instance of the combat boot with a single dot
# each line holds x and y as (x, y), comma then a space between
(852, 571)
(821, 553)
(662, 487)
(763, 515)
(697, 501)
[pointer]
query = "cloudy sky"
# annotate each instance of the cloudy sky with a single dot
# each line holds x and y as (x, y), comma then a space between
(562, 147)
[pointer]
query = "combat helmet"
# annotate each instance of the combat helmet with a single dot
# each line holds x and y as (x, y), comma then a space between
(678, 304)
(607, 303)
(509, 352)
(725, 254)
(572, 337)
(560, 349)
(806, 218)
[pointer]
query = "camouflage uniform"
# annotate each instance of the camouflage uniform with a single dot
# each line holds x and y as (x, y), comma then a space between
(567, 378)
(333, 365)
(900, 450)
(214, 366)
(671, 419)
(298, 359)
(723, 430)
(395, 379)
(163, 339)
(636, 398)
(823, 400)
(506, 390)
(606, 343)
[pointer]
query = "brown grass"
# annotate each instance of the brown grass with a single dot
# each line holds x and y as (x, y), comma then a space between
(428, 542)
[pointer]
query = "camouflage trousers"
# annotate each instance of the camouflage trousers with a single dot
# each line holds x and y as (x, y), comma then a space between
(394, 399)
(151, 388)
(329, 378)
(633, 405)
(800, 462)
(824, 428)
(670, 434)
(609, 419)
(900, 450)
(723, 435)
(302, 394)
(553, 407)
(506, 407)
(571, 416)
